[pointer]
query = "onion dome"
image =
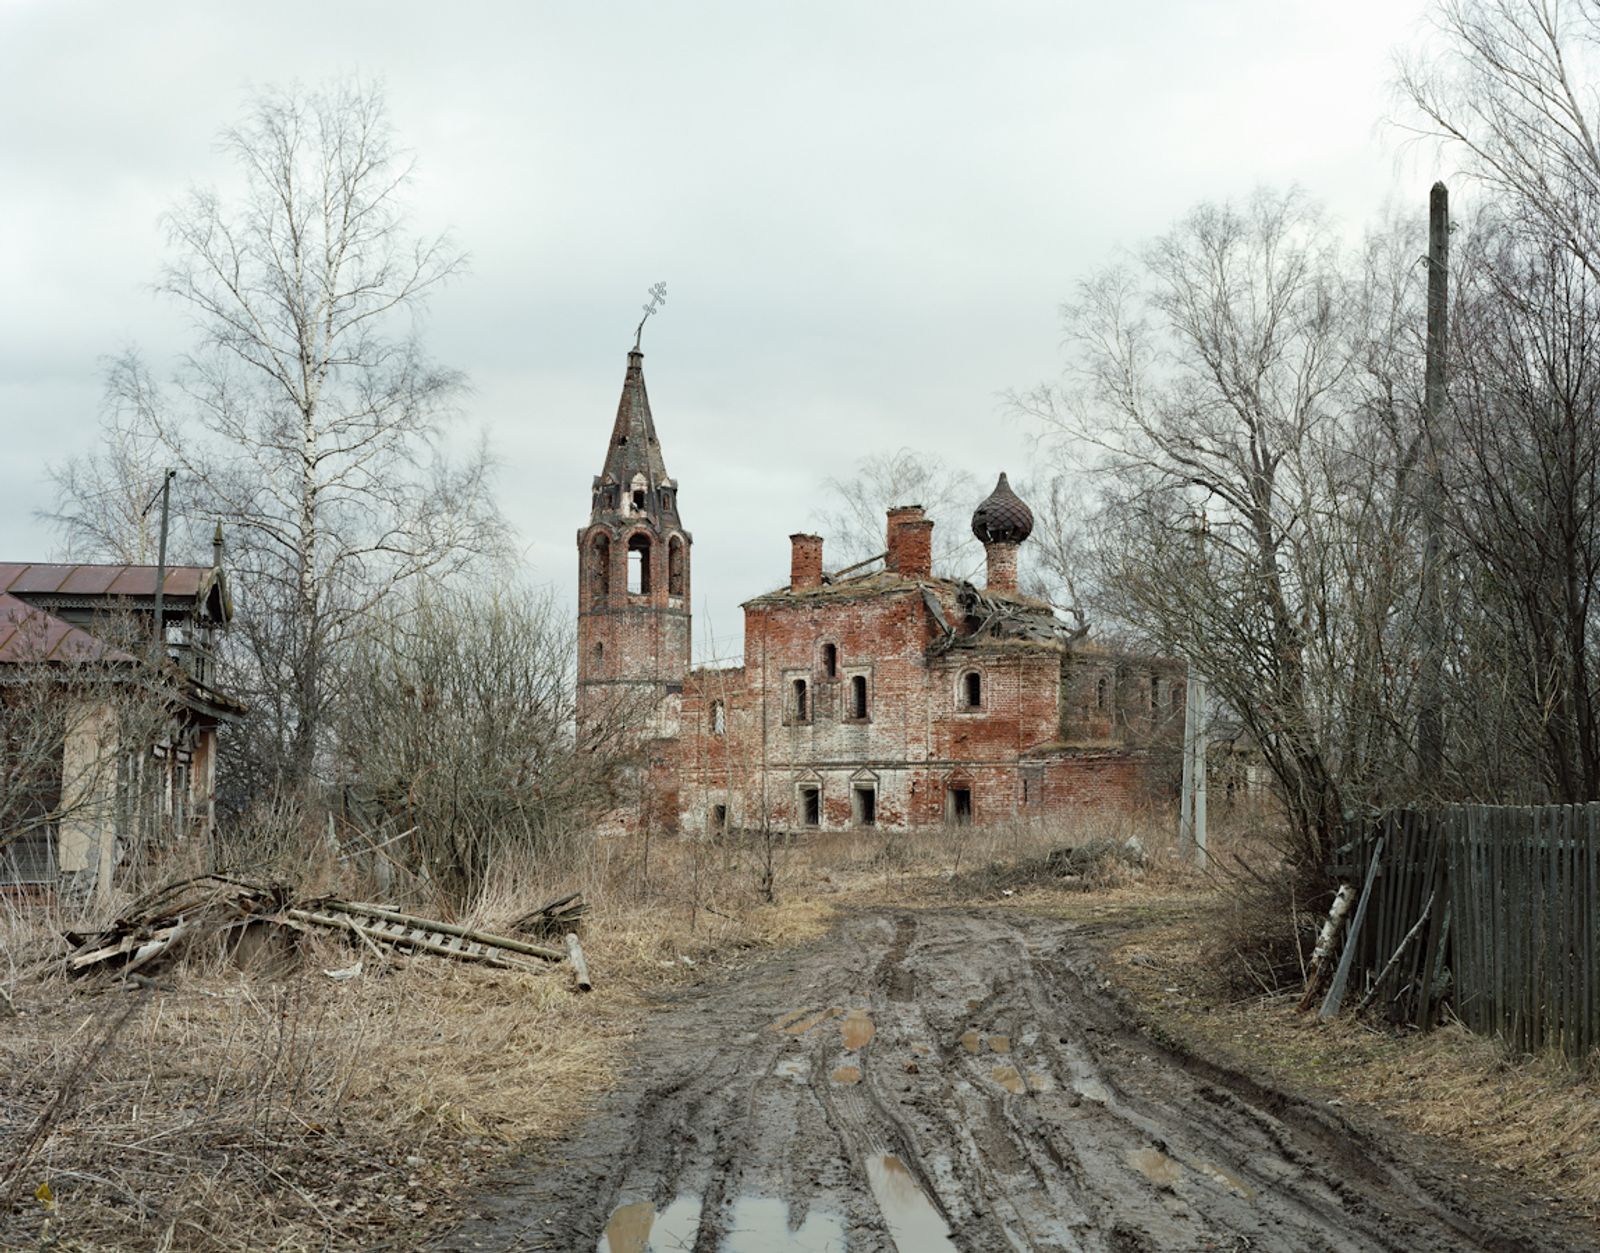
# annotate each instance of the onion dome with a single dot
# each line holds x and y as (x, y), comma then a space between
(1002, 518)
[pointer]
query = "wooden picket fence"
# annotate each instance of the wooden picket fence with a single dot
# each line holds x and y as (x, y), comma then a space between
(1490, 908)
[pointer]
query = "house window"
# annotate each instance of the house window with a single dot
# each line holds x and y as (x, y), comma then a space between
(719, 818)
(600, 570)
(599, 655)
(858, 696)
(799, 704)
(1155, 694)
(1032, 787)
(830, 661)
(809, 807)
(864, 805)
(675, 566)
(1100, 693)
(972, 690)
(960, 806)
(719, 718)
(28, 859)
(639, 565)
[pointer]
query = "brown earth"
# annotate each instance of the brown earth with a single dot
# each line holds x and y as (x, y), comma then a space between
(926, 1080)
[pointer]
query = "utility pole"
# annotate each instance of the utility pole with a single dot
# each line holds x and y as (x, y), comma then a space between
(1192, 803)
(161, 561)
(1430, 716)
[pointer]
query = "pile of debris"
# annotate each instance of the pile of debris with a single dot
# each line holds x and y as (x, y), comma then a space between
(223, 910)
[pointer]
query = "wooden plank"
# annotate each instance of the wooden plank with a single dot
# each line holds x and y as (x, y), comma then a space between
(1330, 1006)
(580, 965)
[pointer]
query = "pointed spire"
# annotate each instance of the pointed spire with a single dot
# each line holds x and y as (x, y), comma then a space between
(634, 448)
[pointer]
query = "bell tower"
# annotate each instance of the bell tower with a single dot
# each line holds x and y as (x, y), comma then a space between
(633, 576)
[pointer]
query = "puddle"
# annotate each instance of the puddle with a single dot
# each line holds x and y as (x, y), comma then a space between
(1155, 1166)
(636, 1228)
(801, 1021)
(914, 1224)
(1008, 1078)
(1227, 1179)
(857, 1029)
(1041, 1081)
(760, 1224)
(847, 1074)
(971, 1041)
(1091, 1089)
(794, 1068)
(1000, 1043)
(629, 1229)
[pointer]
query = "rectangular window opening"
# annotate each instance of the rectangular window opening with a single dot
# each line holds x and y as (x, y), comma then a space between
(810, 806)
(801, 707)
(858, 696)
(961, 806)
(864, 805)
(719, 818)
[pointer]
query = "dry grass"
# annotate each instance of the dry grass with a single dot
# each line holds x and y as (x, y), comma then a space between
(1538, 1118)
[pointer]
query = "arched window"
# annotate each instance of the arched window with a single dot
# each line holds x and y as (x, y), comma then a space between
(639, 565)
(830, 661)
(719, 718)
(800, 707)
(675, 566)
(1100, 693)
(1155, 694)
(858, 696)
(640, 487)
(600, 569)
(972, 689)
(599, 654)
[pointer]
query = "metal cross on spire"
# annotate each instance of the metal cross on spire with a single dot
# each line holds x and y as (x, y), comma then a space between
(658, 297)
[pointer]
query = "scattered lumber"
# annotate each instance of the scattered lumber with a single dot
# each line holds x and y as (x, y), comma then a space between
(555, 917)
(162, 923)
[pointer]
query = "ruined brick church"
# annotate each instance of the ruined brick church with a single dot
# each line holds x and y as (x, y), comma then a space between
(878, 696)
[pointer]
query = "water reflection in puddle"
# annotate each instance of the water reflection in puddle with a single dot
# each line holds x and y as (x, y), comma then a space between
(799, 1021)
(1000, 1043)
(760, 1224)
(971, 1041)
(1227, 1179)
(1155, 1166)
(636, 1228)
(1008, 1078)
(914, 1224)
(847, 1074)
(857, 1029)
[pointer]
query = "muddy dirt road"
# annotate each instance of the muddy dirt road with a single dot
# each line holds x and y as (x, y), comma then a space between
(926, 1081)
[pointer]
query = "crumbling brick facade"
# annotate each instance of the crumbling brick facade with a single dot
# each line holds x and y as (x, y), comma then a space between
(887, 697)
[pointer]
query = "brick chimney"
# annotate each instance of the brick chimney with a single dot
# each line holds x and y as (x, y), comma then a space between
(805, 561)
(910, 543)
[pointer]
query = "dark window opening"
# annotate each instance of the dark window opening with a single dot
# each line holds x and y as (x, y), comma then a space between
(1155, 694)
(600, 569)
(830, 661)
(639, 566)
(961, 806)
(719, 818)
(638, 498)
(864, 805)
(810, 806)
(858, 696)
(972, 689)
(1032, 787)
(675, 567)
(801, 709)
(599, 654)
(1100, 694)
(719, 718)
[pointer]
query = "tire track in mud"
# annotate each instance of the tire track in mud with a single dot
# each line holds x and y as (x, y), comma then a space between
(935, 1080)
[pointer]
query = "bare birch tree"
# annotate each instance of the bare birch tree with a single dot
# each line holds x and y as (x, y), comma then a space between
(853, 518)
(308, 417)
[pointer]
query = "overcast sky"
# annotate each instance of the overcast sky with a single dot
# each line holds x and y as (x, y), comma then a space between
(866, 214)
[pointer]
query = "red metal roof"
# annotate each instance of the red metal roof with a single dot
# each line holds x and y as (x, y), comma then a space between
(29, 634)
(39, 579)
